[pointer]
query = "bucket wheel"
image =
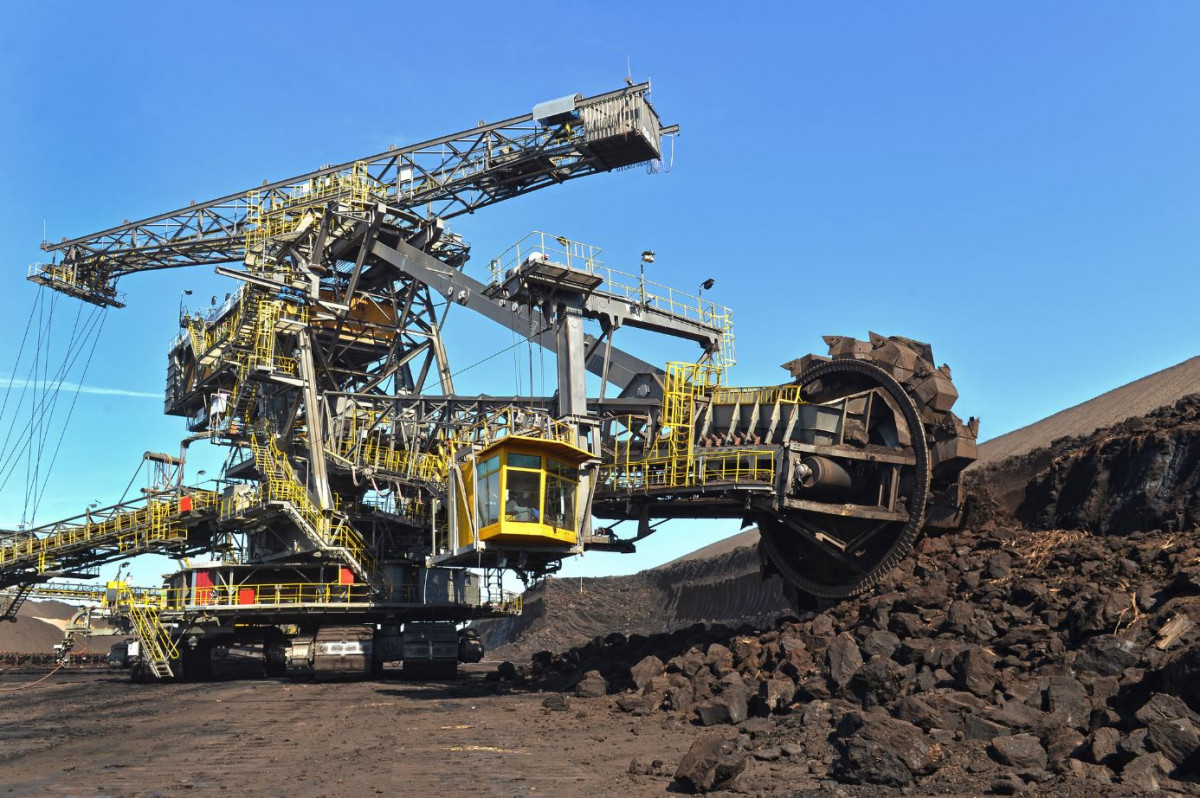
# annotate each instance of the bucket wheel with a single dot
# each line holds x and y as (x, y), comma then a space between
(855, 517)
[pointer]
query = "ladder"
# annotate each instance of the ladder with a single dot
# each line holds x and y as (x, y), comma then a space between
(11, 601)
(158, 649)
(282, 485)
(493, 585)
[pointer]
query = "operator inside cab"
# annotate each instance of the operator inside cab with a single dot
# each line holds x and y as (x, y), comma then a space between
(521, 507)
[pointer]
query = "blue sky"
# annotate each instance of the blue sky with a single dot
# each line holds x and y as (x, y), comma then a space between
(1016, 182)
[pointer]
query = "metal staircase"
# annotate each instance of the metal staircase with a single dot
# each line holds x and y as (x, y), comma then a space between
(281, 485)
(11, 601)
(158, 650)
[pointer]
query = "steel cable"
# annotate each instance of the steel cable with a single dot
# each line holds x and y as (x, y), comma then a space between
(41, 491)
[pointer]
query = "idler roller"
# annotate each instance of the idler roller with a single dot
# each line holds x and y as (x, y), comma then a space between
(821, 472)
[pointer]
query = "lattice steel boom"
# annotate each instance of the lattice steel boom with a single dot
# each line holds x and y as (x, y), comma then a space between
(434, 180)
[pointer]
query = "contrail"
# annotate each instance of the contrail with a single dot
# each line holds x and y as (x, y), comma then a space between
(70, 387)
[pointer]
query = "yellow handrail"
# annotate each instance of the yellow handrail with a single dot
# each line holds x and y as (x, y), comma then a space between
(129, 531)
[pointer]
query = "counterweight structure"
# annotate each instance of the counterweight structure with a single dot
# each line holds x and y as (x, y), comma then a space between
(366, 508)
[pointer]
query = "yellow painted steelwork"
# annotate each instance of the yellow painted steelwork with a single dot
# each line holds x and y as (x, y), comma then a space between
(282, 212)
(672, 459)
(158, 648)
(280, 484)
(72, 591)
(131, 531)
(365, 443)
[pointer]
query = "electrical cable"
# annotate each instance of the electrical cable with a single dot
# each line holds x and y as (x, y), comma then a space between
(10, 459)
(57, 668)
(489, 357)
(33, 461)
(37, 486)
(17, 363)
(41, 492)
(136, 471)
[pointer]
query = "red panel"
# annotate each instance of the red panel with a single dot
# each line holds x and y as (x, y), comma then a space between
(204, 585)
(246, 596)
(345, 576)
(185, 504)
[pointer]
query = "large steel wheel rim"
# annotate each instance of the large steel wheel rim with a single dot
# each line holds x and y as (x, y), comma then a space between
(819, 569)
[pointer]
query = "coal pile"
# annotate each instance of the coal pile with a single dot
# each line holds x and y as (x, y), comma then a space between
(999, 660)
(1141, 473)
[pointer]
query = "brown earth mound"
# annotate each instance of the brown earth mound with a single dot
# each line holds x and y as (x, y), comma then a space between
(56, 610)
(30, 635)
(1138, 398)
(39, 628)
(1142, 473)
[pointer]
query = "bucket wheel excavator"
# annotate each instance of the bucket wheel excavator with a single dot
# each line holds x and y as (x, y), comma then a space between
(366, 507)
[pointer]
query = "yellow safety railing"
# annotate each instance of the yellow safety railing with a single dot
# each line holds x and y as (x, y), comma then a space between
(511, 420)
(204, 336)
(83, 592)
(281, 484)
(781, 394)
(742, 467)
(158, 649)
(264, 334)
(155, 637)
(347, 537)
(423, 466)
(128, 531)
(683, 384)
(671, 460)
(280, 212)
(267, 594)
(90, 284)
(364, 442)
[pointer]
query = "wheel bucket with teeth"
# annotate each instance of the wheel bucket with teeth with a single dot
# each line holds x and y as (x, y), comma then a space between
(835, 546)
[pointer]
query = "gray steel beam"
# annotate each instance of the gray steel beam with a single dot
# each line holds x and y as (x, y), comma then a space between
(468, 292)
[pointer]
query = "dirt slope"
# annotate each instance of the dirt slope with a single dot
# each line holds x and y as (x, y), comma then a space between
(29, 634)
(725, 587)
(39, 628)
(1135, 399)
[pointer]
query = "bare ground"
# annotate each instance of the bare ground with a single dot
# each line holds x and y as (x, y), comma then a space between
(100, 734)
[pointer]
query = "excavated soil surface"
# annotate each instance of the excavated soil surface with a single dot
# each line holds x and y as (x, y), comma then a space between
(725, 587)
(88, 734)
(998, 661)
(1141, 473)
